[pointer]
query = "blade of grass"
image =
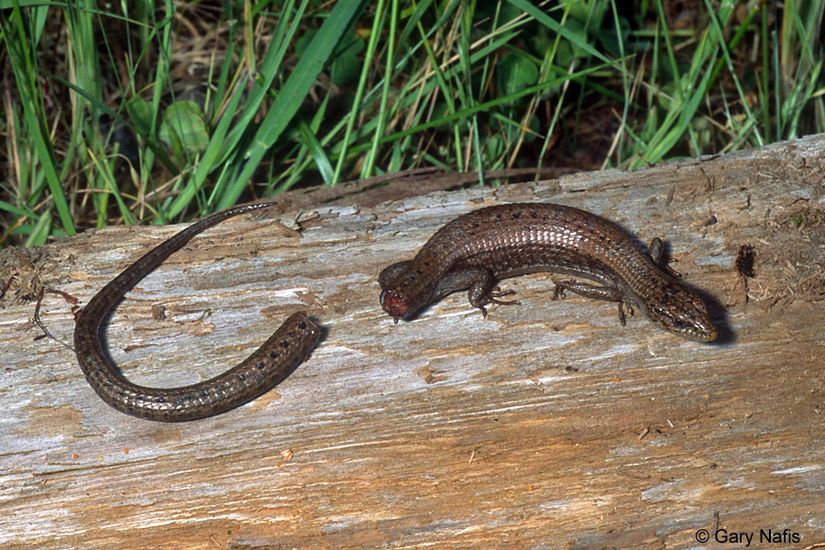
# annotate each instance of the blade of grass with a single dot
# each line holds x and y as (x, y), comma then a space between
(716, 26)
(556, 27)
(210, 157)
(290, 99)
(446, 91)
(105, 170)
(270, 68)
(316, 150)
(366, 69)
(488, 105)
(25, 71)
(387, 78)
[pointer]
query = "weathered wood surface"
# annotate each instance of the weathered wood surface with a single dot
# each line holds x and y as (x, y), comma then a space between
(546, 425)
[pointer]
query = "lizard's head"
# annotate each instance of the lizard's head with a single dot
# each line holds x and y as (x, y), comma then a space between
(399, 288)
(681, 310)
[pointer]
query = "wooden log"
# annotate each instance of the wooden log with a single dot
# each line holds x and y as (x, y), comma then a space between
(544, 425)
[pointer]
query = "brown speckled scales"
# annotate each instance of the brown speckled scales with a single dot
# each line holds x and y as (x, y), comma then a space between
(257, 374)
(478, 249)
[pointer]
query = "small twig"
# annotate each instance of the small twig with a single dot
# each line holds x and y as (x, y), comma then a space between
(6, 287)
(46, 332)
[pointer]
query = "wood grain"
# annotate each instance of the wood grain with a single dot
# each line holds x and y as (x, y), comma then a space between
(546, 425)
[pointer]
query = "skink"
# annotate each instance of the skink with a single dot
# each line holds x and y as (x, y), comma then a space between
(480, 248)
(254, 376)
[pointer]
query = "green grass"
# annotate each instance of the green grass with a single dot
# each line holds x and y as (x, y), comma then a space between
(234, 101)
